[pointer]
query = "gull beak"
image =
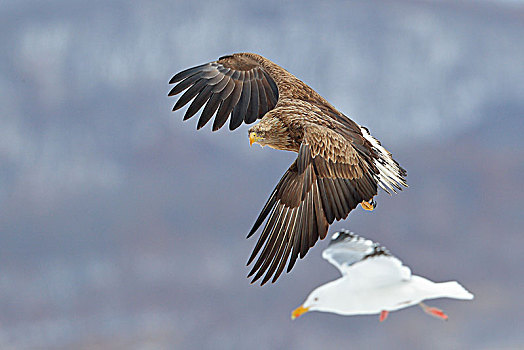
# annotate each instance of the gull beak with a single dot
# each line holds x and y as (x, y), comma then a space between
(299, 311)
(252, 138)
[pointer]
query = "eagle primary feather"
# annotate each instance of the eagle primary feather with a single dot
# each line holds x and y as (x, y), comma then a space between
(339, 164)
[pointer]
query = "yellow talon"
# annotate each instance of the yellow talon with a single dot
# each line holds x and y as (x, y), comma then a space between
(367, 205)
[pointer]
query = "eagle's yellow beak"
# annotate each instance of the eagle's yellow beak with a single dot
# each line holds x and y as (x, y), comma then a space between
(299, 311)
(253, 138)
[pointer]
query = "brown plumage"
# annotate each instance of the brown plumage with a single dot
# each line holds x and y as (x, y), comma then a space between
(339, 164)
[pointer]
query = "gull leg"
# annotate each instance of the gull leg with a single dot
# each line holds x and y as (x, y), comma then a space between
(433, 311)
(383, 315)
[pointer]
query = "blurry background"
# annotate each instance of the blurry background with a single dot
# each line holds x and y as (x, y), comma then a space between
(123, 227)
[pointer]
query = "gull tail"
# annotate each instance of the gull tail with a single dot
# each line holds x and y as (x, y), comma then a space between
(453, 290)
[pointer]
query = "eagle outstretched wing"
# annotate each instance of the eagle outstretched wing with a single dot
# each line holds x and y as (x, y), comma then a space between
(232, 85)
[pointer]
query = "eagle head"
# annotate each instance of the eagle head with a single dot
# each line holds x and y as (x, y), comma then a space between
(270, 132)
(259, 134)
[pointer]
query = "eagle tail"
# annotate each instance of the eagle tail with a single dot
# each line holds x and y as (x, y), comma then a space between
(391, 176)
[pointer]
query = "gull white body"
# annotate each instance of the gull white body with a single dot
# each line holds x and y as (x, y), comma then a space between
(373, 281)
(346, 296)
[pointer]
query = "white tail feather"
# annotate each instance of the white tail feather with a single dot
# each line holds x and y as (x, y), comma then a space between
(453, 289)
(390, 175)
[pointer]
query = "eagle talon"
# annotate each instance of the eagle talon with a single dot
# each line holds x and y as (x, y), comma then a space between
(368, 205)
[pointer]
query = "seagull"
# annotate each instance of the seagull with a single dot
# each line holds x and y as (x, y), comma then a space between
(373, 282)
(339, 165)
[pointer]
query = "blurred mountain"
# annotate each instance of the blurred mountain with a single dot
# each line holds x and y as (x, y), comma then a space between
(123, 227)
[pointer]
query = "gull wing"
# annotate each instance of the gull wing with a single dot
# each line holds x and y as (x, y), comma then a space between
(363, 259)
